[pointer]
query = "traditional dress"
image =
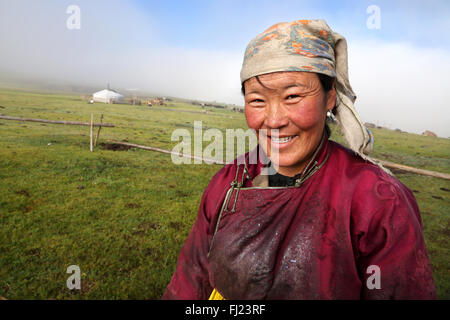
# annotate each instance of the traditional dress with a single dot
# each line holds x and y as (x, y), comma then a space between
(318, 239)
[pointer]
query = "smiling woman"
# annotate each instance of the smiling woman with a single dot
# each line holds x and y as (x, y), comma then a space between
(294, 104)
(329, 223)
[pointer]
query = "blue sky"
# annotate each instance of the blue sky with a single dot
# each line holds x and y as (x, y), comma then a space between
(194, 49)
(229, 24)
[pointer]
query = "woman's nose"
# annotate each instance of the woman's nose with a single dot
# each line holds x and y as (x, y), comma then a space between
(276, 116)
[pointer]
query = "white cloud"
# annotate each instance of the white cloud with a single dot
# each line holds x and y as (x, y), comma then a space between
(401, 86)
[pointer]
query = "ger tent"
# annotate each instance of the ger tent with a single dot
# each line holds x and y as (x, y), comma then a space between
(107, 96)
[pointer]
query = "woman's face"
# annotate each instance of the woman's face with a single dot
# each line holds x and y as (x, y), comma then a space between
(295, 104)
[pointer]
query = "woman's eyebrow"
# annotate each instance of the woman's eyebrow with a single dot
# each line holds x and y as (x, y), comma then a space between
(284, 88)
(253, 91)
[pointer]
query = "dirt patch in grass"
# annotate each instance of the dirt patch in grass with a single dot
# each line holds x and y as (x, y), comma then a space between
(182, 194)
(114, 147)
(33, 252)
(175, 225)
(138, 233)
(147, 225)
(23, 192)
(132, 205)
(28, 208)
(86, 286)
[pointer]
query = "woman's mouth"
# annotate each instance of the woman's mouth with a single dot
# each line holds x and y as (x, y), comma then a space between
(282, 139)
(281, 142)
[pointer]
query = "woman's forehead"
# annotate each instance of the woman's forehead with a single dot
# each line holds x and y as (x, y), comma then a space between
(282, 80)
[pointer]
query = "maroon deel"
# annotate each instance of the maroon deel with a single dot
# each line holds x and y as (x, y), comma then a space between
(350, 231)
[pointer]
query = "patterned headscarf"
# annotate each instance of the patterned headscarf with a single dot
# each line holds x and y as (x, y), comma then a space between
(311, 46)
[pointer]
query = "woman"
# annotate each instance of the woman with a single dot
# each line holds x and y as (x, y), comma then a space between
(330, 224)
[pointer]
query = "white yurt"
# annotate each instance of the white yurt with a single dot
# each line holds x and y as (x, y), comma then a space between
(107, 96)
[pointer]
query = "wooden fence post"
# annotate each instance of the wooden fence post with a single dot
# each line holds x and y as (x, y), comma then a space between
(92, 127)
(99, 128)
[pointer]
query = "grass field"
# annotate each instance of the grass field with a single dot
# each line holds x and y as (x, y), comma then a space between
(122, 216)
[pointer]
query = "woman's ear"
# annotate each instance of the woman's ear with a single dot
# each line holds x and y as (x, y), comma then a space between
(331, 98)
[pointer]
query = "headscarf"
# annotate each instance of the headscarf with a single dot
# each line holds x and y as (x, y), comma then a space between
(311, 46)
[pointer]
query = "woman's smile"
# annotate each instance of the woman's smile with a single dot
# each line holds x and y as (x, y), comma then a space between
(282, 142)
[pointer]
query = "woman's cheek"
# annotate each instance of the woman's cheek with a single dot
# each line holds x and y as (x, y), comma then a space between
(254, 117)
(306, 116)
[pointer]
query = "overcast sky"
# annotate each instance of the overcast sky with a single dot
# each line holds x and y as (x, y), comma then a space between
(194, 49)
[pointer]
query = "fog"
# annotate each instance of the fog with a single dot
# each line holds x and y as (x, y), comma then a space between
(398, 84)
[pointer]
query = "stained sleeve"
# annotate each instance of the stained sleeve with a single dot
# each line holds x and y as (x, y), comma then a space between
(391, 256)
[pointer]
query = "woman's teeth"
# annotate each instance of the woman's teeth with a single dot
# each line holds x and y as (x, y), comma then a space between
(282, 140)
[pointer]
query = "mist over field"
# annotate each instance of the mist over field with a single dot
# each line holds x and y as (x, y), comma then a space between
(399, 73)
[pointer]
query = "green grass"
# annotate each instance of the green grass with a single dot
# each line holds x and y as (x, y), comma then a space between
(122, 216)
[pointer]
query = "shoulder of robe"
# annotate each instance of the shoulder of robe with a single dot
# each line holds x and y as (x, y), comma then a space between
(369, 186)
